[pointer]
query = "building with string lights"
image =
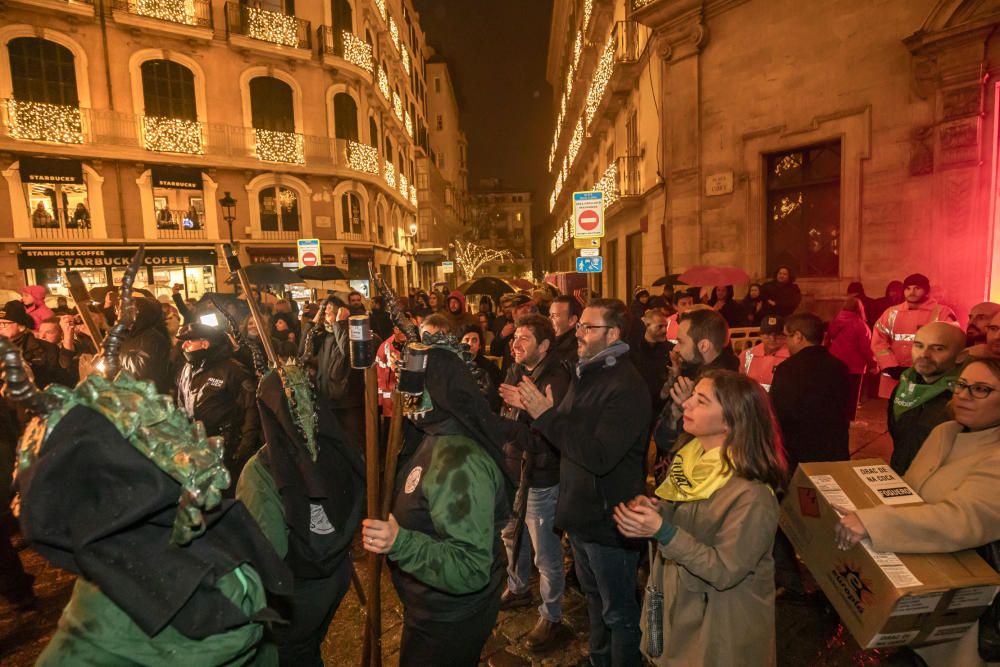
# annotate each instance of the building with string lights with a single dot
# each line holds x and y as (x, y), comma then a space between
(848, 140)
(185, 123)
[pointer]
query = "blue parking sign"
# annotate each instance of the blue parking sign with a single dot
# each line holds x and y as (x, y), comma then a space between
(589, 264)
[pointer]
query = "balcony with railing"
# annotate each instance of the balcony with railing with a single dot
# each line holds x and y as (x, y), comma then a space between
(78, 7)
(277, 146)
(60, 226)
(358, 156)
(188, 17)
(630, 39)
(340, 46)
(620, 182)
(277, 234)
(263, 29)
(41, 121)
(175, 225)
(172, 135)
(390, 174)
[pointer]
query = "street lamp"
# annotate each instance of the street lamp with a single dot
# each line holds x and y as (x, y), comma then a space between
(228, 205)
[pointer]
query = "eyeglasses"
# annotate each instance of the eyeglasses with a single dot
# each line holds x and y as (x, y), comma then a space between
(587, 328)
(975, 390)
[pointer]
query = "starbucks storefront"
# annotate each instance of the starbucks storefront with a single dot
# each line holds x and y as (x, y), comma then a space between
(192, 267)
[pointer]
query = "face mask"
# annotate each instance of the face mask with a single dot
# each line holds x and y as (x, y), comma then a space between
(196, 356)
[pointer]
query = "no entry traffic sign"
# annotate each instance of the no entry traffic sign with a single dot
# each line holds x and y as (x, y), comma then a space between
(309, 253)
(588, 214)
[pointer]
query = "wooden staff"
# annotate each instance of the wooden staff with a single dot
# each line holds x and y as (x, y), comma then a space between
(372, 648)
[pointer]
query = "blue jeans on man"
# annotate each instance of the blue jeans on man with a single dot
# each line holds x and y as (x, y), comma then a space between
(607, 577)
(539, 524)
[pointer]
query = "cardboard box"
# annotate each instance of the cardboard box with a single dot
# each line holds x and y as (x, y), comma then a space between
(883, 599)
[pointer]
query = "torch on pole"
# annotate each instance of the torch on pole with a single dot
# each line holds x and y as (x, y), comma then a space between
(363, 357)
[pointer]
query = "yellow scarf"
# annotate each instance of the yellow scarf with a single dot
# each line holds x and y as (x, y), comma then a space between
(694, 474)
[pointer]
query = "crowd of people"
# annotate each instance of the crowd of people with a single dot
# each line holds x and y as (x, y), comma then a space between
(531, 440)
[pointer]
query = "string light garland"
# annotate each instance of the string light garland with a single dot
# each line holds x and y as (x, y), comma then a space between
(172, 135)
(471, 257)
(605, 67)
(413, 194)
(397, 106)
(40, 121)
(404, 185)
(394, 32)
(409, 124)
(272, 27)
(561, 236)
(383, 83)
(275, 146)
(390, 174)
(362, 157)
(588, 10)
(175, 11)
(608, 184)
(406, 60)
(639, 4)
(358, 52)
(380, 5)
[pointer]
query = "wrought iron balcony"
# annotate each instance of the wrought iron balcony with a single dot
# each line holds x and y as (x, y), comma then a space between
(40, 121)
(346, 45)
(362, 157)
(267, 26)
(277, 146)
(404, 185)
(383, 84)
(58, 227)
(197, 13)
(397, 106)
(172, 135)
(390, 174)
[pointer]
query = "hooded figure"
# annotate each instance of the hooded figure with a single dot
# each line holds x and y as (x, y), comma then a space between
(451, 501)
(305, 488)
(458, 315)
(145, 352)
(165, 567)
(33, 298)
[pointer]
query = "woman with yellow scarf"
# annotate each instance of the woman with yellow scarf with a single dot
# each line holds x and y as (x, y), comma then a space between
(713, 524)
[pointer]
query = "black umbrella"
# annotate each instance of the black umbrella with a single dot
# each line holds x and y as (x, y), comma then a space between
(671, 279)
(322, 273)
(268, 274)
(491, 285)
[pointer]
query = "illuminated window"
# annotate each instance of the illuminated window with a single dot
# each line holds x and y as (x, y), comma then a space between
(345, 117)
(803, 210)
(279, 209)
(42, 71)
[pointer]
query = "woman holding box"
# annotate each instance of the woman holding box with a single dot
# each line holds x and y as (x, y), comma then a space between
(957, 473)
(713, 525)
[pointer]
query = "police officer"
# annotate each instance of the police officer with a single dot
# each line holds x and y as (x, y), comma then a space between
(218, 391)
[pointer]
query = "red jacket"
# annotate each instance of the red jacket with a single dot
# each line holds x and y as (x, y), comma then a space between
(756, 364)
(385, 372)
(892, 338)
(850, 340)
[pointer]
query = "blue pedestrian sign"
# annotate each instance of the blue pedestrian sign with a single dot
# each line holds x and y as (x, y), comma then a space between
(589, 264)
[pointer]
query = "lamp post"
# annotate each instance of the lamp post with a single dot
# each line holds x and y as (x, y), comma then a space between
(228, 205)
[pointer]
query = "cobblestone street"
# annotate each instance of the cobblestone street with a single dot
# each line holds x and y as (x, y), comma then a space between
(806, 635)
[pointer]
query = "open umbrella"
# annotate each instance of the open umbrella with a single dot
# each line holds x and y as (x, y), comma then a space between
(522, 283)
(322, 273)
(490, 285)
(708, 276)
(671, 279)
(268, 274)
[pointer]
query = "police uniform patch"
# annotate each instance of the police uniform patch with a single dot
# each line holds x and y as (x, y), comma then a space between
(412, 480)
(319, 523)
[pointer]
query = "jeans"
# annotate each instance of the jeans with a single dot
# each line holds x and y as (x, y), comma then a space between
(608, 577)
(539, 522)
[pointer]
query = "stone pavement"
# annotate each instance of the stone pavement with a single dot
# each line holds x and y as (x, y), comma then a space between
(806, 634)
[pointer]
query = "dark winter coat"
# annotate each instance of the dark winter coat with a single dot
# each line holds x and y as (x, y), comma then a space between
(811, 398)
(652, 362)
(335, 379)
(912, 428)
(566, 348)
(544, 457)
(221, 394)
(786, 297)
(601, 429)
(145, 352)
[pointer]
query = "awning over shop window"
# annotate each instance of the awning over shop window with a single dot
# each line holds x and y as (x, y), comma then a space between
(177, 178)
(50, 170)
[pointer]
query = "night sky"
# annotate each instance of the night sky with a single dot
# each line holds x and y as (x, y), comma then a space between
(496, 53)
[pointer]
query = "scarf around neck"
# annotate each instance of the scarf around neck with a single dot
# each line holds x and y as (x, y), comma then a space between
(912, 393)
(694, 474)
(607, 357)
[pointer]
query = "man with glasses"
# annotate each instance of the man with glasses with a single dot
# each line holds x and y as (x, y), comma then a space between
(601, 431)
(920, 400)
(759, 361)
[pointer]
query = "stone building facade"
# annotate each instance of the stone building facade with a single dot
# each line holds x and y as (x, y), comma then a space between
(124, 122)
(851, 140)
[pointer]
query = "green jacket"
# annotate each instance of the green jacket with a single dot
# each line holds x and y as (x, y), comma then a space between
(93, 630)
(256, 489)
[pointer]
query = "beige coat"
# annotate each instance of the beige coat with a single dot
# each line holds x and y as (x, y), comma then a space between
(958, 476)
(717, 577)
